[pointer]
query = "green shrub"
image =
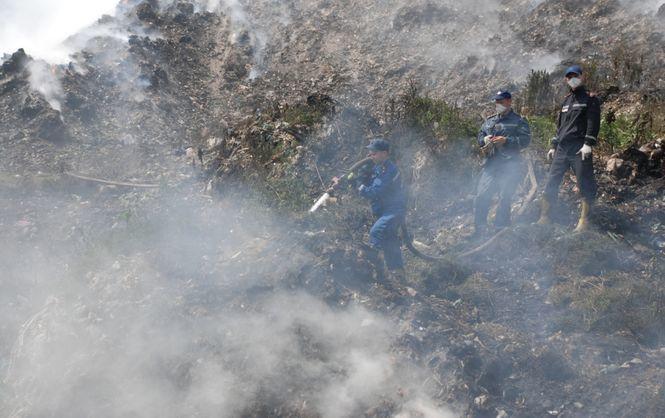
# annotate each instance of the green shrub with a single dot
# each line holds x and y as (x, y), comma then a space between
(543, 128)
(445, 121)
(618, 132)
(539, 97)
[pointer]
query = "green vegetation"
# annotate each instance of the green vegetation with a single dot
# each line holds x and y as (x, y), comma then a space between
(539, 98)
(445, 121)
(543, 129)
(302, 114)
(618, 132)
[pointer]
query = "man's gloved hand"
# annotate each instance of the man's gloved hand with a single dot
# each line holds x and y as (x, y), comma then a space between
(361, 188)
(487, 139)
(550, 153)
(585, 151)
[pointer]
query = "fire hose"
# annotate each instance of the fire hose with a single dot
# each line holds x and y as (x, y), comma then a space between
(406, 237)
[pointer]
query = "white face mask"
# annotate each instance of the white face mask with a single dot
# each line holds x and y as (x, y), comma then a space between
(500, 108)
(574, 82)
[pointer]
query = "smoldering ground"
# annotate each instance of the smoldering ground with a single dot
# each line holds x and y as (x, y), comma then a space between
(174, 307)
(128, 302)
(449, 37)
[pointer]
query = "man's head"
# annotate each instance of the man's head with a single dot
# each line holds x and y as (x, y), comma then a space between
(574, 77)
(379, 150)
(503, 100)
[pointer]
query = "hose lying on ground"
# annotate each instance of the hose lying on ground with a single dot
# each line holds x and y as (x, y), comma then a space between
(407, 238)
(111, 182)
(484, 245)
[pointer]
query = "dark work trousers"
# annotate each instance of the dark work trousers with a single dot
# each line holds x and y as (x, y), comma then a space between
(384, 236)
(498, 177)
(566, 157)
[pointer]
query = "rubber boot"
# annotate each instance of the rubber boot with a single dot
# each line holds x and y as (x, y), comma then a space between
(583, 223)
(544, 213)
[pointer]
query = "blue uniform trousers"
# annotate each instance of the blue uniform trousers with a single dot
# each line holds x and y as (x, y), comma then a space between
(384, 236)
(502, 178)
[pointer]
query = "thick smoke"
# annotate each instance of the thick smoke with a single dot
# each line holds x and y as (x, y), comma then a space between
(52, 32)
(41, 26)
(175, 308)
(170, 314)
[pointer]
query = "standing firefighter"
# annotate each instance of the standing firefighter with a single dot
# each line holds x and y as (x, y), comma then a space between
(578, 124)
(386, 194)
(501, 137)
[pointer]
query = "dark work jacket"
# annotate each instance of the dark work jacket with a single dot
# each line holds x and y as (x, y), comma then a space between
(385, 190)
(513, 127)
(578, 122)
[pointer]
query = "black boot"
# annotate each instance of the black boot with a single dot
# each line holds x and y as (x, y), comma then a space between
(373, 255)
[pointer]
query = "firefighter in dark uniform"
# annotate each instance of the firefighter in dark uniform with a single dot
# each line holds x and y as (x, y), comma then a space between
(578, 124)
(502, 137)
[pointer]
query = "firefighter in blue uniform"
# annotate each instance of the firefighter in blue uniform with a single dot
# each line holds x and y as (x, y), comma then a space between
(387, 198)
(501, 138)
(578, 124)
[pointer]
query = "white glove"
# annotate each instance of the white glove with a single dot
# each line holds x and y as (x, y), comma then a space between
(486, 140)
(361, 188)
(585, 151)
(550, 153)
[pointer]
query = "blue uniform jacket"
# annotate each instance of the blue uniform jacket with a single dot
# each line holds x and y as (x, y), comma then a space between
(513, 127)
(385, 190)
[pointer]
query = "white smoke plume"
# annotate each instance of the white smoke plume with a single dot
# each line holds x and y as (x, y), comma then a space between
(233, 7)
(243, 24)
(41, 26)
(44, 79)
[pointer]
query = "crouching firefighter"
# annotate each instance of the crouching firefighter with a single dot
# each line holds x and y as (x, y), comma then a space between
(385, 191)
(501, 137)
(578, 124)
